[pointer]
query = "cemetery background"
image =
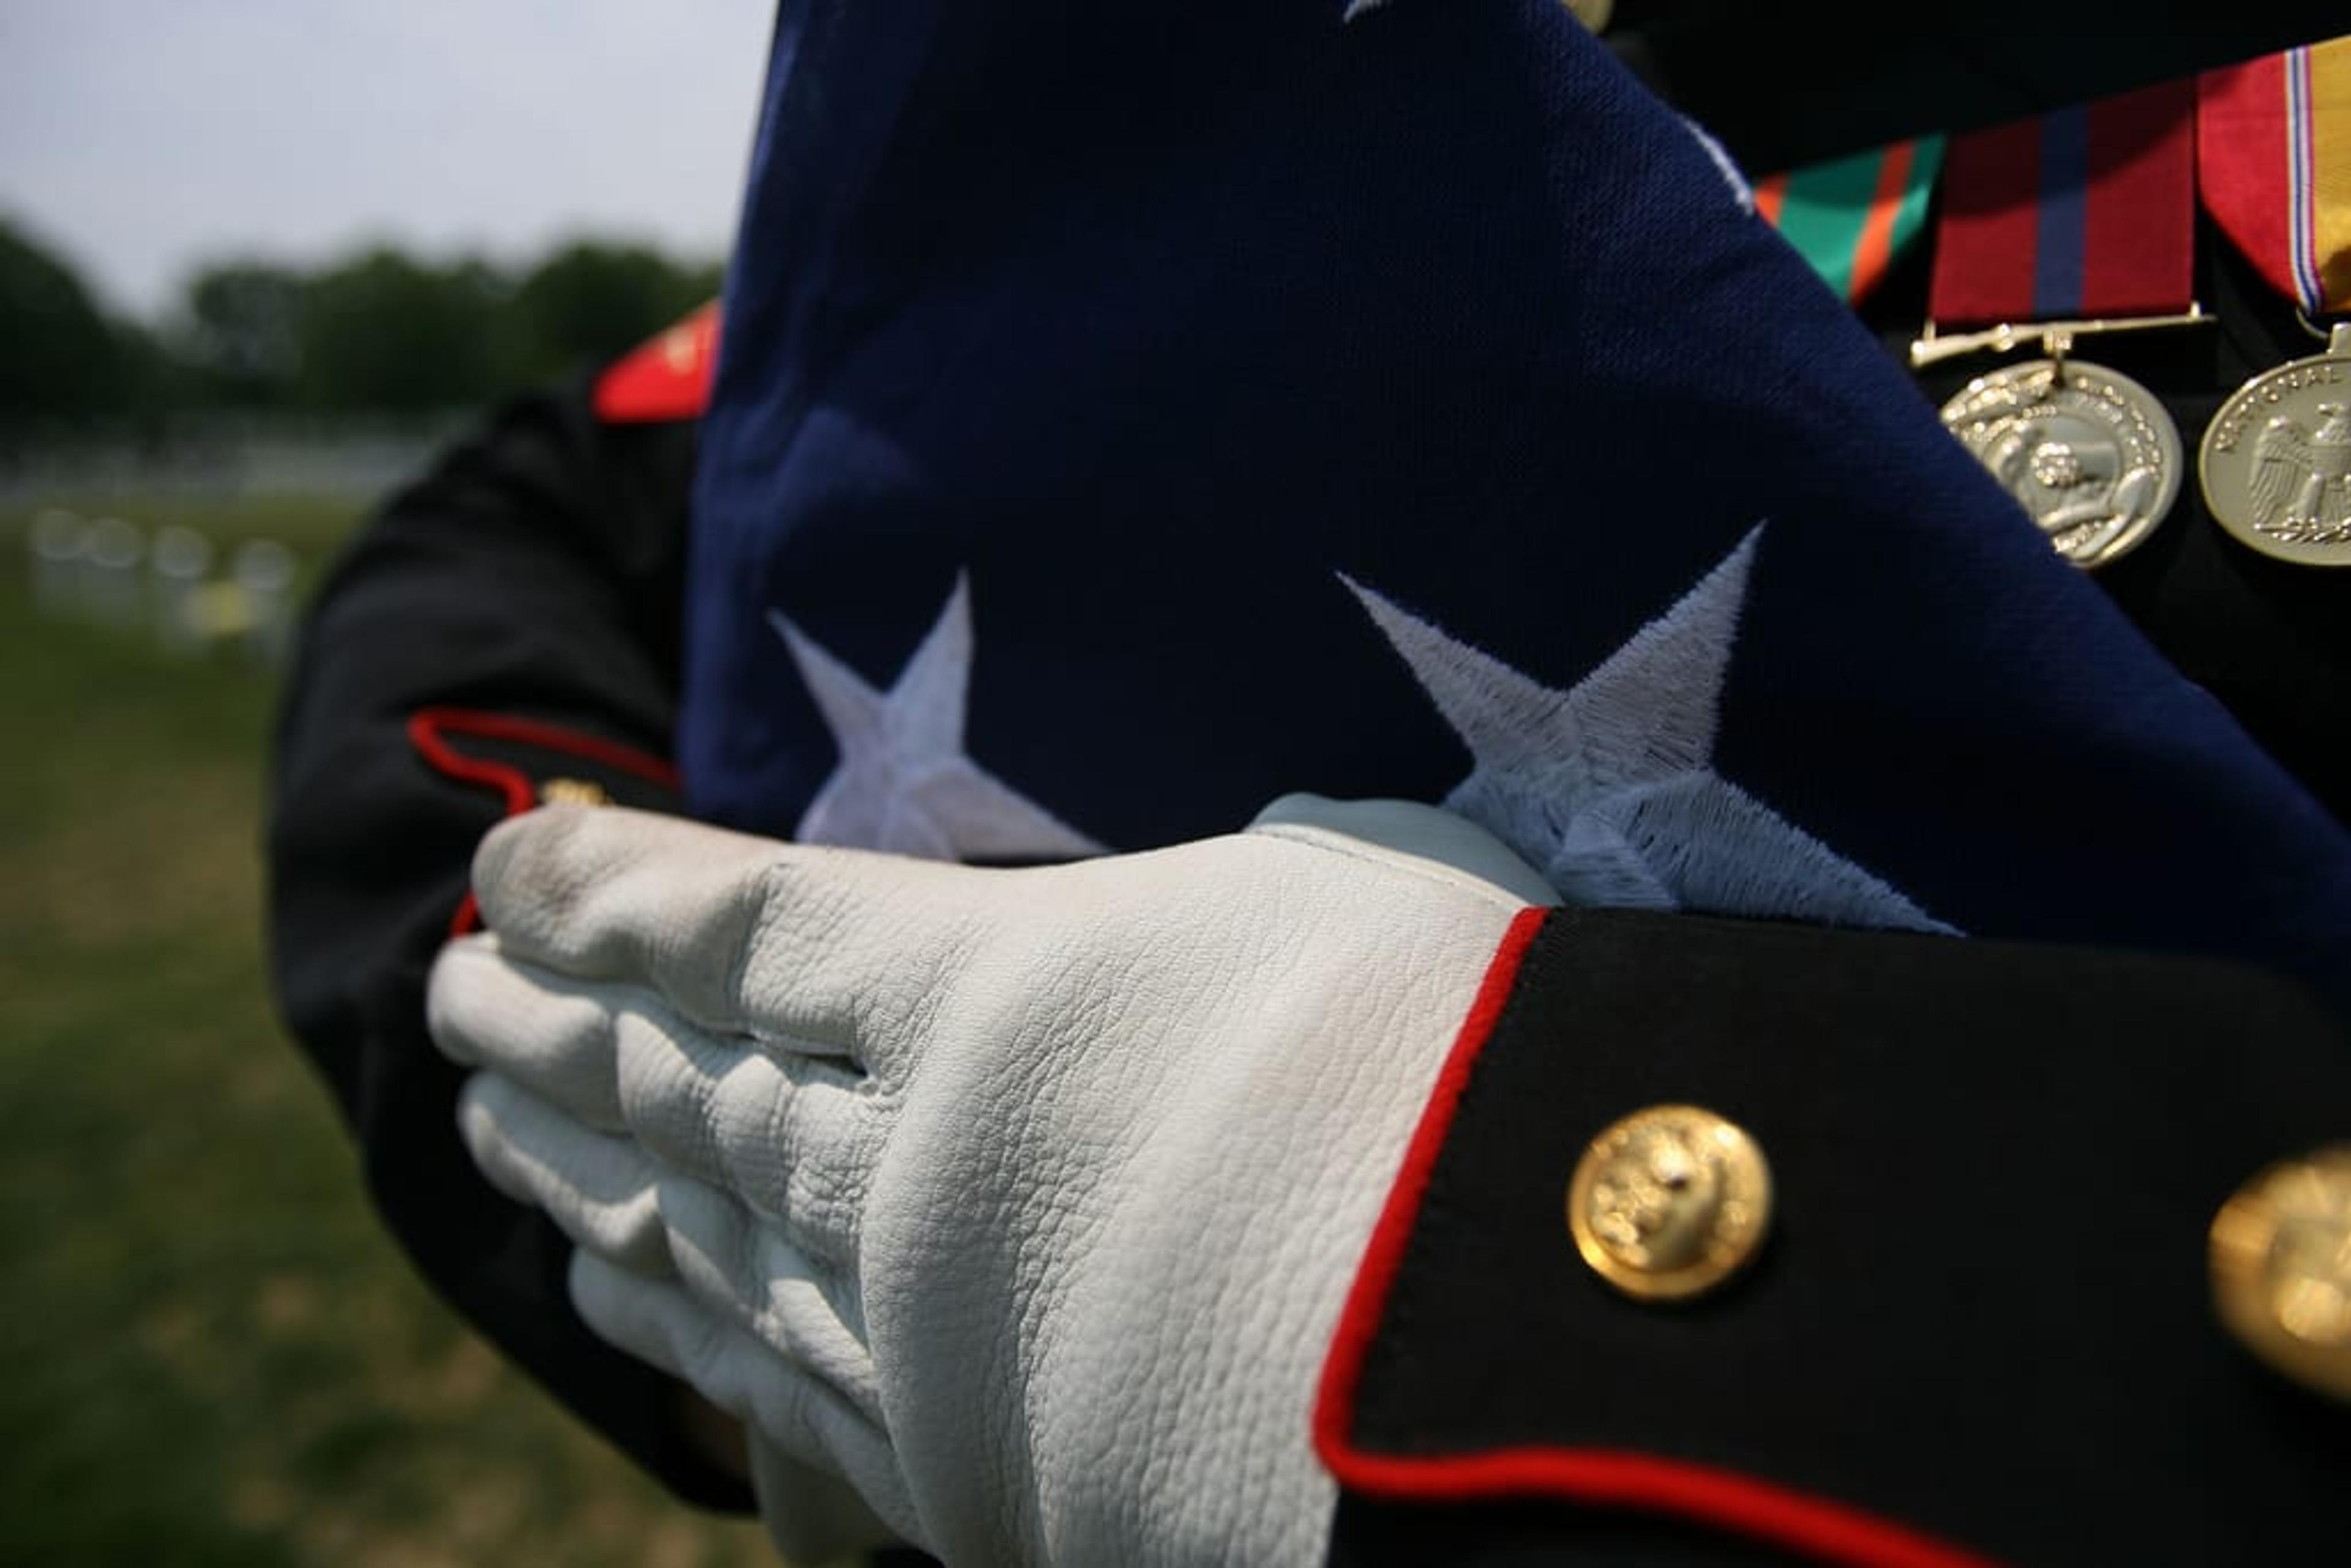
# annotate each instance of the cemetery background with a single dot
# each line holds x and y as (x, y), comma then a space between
(209, 1351)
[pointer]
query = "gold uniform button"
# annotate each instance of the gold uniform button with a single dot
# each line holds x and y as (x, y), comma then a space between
(1670, 1202)
(573, 792)
(2282, 1268)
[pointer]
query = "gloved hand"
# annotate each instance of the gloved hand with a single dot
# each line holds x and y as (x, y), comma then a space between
(1026, 1200)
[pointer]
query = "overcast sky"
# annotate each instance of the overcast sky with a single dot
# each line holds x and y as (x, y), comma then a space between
(140, 137)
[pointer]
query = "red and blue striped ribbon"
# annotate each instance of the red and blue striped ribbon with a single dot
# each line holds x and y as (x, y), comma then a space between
(2087, 212)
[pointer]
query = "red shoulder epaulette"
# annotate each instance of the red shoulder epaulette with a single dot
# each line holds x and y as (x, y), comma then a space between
(667, 377)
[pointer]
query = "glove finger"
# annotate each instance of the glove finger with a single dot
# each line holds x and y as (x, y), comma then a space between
(795, 944)
(600, 1190)
(793, 1138)
(548, 1033)
(749, 1273)
(812, 1515)
(658, 1322)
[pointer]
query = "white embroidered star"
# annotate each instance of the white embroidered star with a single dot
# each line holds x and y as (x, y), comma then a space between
(904, 783)
(1609, 787)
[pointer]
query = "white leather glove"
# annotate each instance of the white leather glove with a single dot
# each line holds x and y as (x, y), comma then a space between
(1026, 1200)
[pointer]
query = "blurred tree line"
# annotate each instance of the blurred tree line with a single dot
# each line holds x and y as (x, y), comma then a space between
(380, 332)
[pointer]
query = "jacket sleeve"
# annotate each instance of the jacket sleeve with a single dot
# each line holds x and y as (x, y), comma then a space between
(1990, 1318)
(502, 632)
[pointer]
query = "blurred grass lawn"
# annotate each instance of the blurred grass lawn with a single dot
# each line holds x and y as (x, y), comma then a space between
(209, 1351)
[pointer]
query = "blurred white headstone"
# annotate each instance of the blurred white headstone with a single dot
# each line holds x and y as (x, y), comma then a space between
(110, 588)
(263, 570)
(175, 578)
(54, 545)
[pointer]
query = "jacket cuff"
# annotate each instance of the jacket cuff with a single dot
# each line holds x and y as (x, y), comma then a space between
(528, 763)
(1981, 1324)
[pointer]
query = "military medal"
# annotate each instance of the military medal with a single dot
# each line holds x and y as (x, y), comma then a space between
(1594, 14)
(2277, 460)
(2064, 226)
(2087, 451)
(2276, 464)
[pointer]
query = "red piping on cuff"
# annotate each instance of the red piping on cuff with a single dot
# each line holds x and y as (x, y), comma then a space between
(428, 729)
(1718, 1498)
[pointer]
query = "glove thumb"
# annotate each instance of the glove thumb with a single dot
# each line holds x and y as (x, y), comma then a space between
(1409, 828)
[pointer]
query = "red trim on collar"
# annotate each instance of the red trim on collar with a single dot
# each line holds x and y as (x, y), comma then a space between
(428, 732)
(1718, 1498)
(666, 376)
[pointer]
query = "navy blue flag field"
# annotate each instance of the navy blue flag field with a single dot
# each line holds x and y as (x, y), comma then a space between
(1128, 414)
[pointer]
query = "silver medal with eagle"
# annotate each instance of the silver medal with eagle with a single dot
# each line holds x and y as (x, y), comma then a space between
(2277, 459)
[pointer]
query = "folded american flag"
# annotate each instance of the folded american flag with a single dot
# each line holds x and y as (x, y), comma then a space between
(1125, 415)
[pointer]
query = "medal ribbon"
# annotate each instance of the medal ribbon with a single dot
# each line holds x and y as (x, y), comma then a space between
(2273, 156)
(1851, 217)
(2088, 211)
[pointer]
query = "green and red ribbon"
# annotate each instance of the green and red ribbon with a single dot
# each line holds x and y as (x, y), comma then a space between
(1852, 217)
